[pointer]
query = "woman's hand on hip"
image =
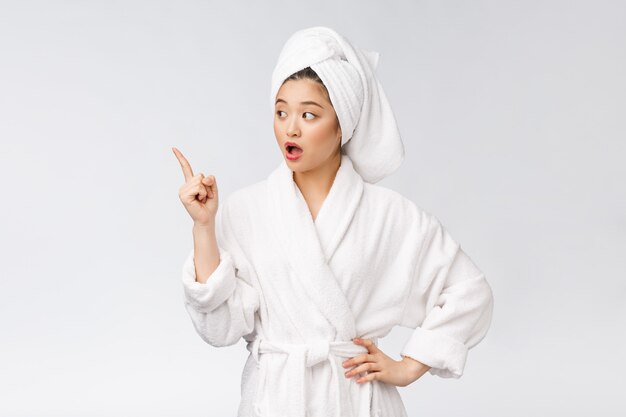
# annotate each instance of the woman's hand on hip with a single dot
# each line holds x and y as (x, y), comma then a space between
(380, 367)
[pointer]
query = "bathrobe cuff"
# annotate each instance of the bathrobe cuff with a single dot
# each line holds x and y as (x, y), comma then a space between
(445, 355)
(216, 290)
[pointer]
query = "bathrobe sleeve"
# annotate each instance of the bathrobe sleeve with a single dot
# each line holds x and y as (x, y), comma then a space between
(449, 305)
(222, 310)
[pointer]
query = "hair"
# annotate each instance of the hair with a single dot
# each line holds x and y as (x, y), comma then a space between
(308, 74)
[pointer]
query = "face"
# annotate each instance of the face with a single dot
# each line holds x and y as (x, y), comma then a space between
(305, 116)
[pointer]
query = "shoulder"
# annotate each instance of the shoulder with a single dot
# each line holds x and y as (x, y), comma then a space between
(242, 198)
(395, 204)
(235, 218)
(240, 207)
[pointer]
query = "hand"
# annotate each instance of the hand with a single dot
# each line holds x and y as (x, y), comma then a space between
(199, 193)
(381, 367)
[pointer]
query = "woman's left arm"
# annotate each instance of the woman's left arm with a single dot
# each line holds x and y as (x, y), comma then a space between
(450, 304)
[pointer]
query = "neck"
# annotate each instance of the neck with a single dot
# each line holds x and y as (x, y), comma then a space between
(316, 183)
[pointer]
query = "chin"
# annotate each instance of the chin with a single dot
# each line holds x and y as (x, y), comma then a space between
(297, 166)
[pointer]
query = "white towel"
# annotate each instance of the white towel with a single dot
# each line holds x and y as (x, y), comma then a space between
(370, 135)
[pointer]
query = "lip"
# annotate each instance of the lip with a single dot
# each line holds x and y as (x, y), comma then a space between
(289, 156)
(292, 144)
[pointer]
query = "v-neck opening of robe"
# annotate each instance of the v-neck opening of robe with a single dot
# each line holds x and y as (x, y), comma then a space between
(338, 208)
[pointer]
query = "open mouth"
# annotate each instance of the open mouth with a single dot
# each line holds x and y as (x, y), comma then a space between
(293, 149)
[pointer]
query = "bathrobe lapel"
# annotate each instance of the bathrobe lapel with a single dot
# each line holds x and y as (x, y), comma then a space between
(308, 246)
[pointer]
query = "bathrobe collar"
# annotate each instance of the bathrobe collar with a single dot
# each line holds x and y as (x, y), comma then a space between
(309, 246)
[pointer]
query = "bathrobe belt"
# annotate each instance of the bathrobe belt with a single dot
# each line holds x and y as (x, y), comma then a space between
(302, 356)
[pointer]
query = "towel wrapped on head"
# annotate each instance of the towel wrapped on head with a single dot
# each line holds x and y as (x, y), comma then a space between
(370, 135)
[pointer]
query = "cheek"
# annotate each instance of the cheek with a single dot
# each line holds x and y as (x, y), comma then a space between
(323, 134)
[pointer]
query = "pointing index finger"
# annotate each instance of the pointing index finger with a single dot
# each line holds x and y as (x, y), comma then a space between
(187, 171)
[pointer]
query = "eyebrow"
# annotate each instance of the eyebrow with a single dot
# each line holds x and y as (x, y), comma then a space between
(280, 100)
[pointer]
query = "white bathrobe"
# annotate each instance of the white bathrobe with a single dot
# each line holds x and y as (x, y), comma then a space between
(298, 291)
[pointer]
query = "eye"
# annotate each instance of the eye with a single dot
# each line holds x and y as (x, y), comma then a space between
(279, 112)
(309, 113)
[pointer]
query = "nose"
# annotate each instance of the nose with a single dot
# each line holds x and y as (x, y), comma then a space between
(293, 127)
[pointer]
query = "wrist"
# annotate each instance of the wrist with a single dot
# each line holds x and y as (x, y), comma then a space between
(416, 368)
(202, 227)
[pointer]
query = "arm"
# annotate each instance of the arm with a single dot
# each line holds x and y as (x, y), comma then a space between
(219, 299)
(205, 245)
(450, 304)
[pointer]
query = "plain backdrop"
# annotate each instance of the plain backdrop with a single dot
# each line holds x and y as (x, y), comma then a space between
(513, 118)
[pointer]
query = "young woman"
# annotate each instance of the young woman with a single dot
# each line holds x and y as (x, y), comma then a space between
(314, 264)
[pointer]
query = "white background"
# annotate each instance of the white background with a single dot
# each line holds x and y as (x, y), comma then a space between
(513, 117)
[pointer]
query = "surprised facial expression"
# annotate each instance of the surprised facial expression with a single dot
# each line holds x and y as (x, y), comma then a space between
(305, 118)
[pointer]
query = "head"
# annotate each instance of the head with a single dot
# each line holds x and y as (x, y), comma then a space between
(305, 116)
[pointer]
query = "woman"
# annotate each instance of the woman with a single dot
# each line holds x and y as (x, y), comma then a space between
(315, 263)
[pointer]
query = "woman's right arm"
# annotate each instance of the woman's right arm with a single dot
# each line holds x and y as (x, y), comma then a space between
(205, 245)
(218, 295)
